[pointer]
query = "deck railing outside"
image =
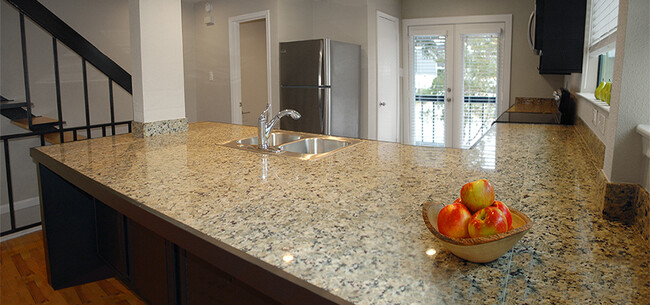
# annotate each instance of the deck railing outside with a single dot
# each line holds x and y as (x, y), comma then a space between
(479, 113)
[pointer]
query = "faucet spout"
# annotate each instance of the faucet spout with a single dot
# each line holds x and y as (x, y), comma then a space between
(294, 115)
(264, 128)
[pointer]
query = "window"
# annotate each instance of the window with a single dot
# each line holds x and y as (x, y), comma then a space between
(601, 44)
(605, 67)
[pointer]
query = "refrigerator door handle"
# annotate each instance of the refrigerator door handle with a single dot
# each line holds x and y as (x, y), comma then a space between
(320, 66)
(327, 116)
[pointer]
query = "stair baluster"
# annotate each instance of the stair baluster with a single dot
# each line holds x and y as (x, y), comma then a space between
(28, 99)
(57, 83)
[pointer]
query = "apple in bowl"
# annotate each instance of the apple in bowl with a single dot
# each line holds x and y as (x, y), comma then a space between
(487, 221)
(453, 220)
(478, 249)
(477, 195)
(505, 210)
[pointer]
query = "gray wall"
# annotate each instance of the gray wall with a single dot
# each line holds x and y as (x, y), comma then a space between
(525, 81)
(105, 23)
(350, 21)
(189, 60)
(624, 161)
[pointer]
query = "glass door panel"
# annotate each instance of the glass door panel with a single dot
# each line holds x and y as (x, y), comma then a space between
(480, 76)
(429, 80)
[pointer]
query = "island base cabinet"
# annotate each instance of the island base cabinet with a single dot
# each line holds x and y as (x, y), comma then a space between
(111, 238)
(153, 262)
(70, 241)
(202, 283)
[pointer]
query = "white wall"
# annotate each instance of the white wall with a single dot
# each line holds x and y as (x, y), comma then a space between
(631, 88)
(157, 55)
(525, 81)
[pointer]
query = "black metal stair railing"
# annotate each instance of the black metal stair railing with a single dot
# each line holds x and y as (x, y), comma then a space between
(22, 111)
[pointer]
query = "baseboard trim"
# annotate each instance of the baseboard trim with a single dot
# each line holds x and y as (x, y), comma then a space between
(21, 233)
(21, 205)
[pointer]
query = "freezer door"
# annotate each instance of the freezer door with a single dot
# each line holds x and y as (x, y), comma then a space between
(309, 102)
(301, 63)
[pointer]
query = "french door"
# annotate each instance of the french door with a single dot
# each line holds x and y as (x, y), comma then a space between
(455, 82)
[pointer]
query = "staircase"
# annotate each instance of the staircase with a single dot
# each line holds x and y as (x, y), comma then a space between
(19, 116)
(48, 129)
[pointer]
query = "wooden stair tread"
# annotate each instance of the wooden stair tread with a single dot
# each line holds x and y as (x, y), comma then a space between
(10, 104)
(55, 138)
(39, 120)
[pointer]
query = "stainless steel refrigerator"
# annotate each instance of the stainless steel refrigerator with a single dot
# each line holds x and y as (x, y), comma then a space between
(320, 79)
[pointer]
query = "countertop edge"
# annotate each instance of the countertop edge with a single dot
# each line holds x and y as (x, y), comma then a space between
(264, 277)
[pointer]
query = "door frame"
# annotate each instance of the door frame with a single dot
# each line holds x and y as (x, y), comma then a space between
(407, 92)
(235, 60)
(381, 14)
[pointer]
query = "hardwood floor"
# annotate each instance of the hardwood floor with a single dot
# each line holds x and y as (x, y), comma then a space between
(24, 279)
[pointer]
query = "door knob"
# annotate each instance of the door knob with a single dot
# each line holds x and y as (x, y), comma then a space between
(382, 104)
(245, 112)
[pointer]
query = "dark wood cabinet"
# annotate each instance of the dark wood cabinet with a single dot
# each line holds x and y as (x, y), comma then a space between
(70, 240)
(111, 238)
(559, 35)
(203, 283)
(153, 262)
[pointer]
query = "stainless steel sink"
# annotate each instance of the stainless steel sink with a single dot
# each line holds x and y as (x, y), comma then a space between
(295, 144)
(314, 146)
(275, 139)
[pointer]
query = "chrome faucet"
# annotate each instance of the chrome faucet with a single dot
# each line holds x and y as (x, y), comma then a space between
(264, 128)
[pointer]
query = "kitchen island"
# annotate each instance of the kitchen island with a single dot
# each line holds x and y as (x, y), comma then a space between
(345, 228)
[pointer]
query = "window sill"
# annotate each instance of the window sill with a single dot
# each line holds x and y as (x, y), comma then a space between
(592, 99)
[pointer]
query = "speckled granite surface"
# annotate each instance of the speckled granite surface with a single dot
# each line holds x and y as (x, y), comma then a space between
(620, 202)
(642, 221)
(157, 128)
(352, 220)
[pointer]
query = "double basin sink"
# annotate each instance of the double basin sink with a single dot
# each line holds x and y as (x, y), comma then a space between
(294, 144)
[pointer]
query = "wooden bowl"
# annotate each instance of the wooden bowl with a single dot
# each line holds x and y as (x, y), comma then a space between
(478, 249)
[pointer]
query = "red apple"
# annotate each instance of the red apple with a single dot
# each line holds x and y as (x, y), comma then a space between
(487, 221)
(453, 220)
(505, 210)
(477, 195)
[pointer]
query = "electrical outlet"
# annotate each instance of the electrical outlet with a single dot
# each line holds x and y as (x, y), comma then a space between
(594, 119)
(602, 121)
(211, 76)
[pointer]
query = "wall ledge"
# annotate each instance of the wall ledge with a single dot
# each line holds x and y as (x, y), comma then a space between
(592, 99)
(644, 130)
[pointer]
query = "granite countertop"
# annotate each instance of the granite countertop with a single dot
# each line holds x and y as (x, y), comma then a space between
(352, 221)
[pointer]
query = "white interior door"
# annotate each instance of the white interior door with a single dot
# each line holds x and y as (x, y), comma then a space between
(455, 82)
(387, 78)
